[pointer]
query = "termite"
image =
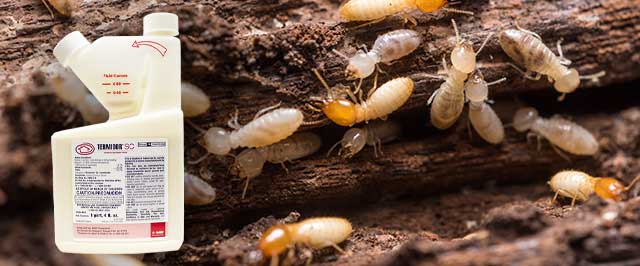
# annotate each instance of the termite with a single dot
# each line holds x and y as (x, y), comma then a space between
(580, 186)
(194, 101)
(481, 115)
(562, 133)
(196, 191)
(527, 49)
(387, 48)
(382, 101)
(373, 134)
(447, 102)
(314, 233)
(377, 10)
(248, 164)
(268, 126)
(68, 87)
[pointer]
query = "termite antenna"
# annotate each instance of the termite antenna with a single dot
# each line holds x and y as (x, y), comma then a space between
(194, 126)
(333, 147)
(486, 40)
(526, 30)
(633, 183)
(340, 54)
(419, 76)
(458, 11)
(324, 82)
(496, 82)
(48, 8)
(317, 122)
(594, 77)
(199, 160)
(455, 28)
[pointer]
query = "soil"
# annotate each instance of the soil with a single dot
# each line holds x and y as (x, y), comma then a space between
(412, 206)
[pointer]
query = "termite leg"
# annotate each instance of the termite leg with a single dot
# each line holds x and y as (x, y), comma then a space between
(559, 152)
(380, 148)
(408, 18)
(358, 90)
(573, 201)
(366, 24)
(338, 248)
(313, 108)
(261, 112)
(274, 261)
(309, 254)
(375, 86)
(527, 31)
(284, 167)
(244, 190)
(539, 139)
(555, 197)
(375, 149)
(563, 60)
(562, 97)
(199, 160)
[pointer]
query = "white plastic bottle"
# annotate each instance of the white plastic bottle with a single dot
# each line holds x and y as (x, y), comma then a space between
(118, 186)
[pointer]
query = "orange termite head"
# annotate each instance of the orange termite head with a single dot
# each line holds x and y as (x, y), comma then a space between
(610, 188)
(275, 240)
(430, 5)
(340, 111)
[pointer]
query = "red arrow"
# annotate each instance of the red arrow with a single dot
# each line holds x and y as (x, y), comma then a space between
(159, 47)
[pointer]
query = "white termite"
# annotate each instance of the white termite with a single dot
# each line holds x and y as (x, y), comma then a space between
(580, 186)
(562, 133)
(481, 116)
(527, 49)
(248, 164)
(387, 48)
(68, 87)
(197, 191)
(373, 134)
(315, 233)
(447, 102)
(193, 100)
(273, 126)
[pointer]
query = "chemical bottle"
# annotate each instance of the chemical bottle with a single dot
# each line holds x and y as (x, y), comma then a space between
(118, 186)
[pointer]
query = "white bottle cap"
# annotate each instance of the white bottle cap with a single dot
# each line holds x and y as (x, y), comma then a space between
(68, 46)
(164, 24)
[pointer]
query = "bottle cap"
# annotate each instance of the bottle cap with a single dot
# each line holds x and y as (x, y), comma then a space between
(68, 46)
(164, 24)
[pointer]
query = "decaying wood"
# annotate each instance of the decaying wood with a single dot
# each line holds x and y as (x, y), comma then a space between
(598, 234)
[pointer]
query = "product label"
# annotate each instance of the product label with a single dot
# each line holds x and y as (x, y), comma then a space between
(120, 188)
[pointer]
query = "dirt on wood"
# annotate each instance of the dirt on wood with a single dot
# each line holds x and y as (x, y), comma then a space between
(433, 198)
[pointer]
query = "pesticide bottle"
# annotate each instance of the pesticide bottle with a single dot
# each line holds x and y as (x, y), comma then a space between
(118, 186)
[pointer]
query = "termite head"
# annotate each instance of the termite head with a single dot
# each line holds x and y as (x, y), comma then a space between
(463, 57)
(361, 65)
(568, 82)
(248, 164)
(476, 88)
(340, 111)
(217, 141)
(610, 188)
(524, 118)
(352, 142)
(430, 5)
(275, 240)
